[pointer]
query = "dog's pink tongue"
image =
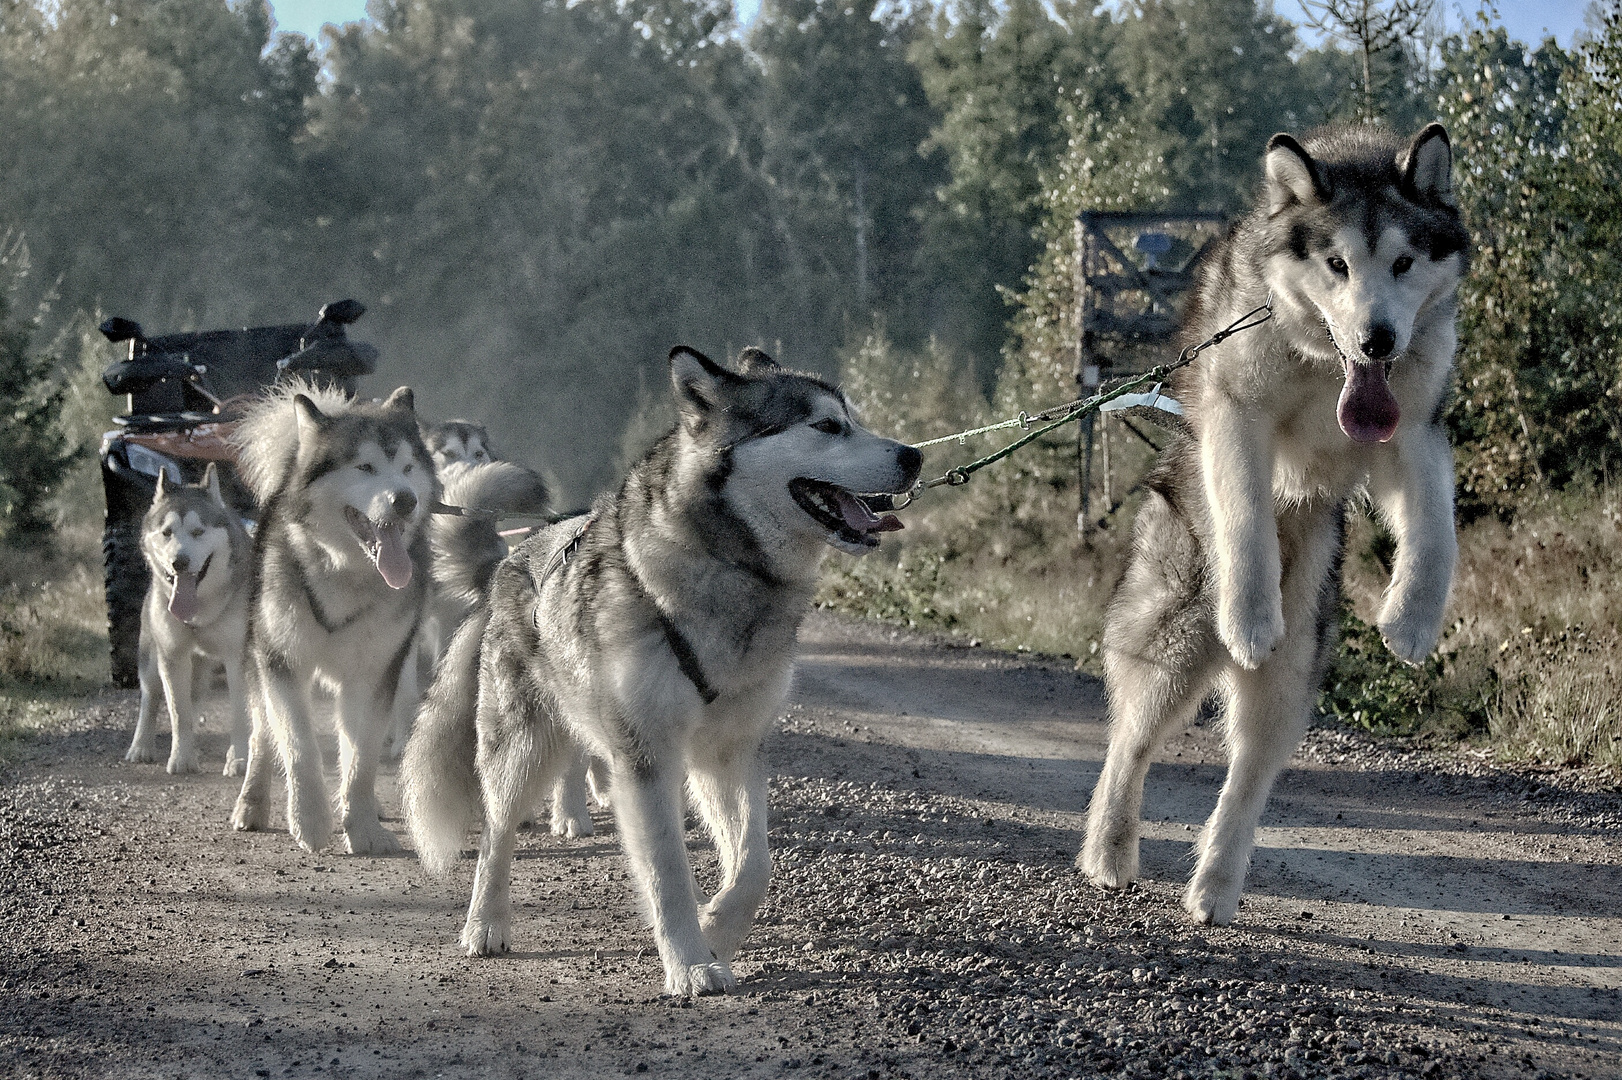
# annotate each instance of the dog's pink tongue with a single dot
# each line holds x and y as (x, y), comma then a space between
(1367, 411)
(183, 598)
(393, 561)
(860, 517)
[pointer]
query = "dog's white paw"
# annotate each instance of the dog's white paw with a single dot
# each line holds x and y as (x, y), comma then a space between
(486, 937)
(1110, 862)
(235, 764)
(1212, 900)
(700, 979)
(572, 825)
(250, 816)
(183, 763)
(1408, 639)
(1251, 630)
(142, 754)
(370, 838)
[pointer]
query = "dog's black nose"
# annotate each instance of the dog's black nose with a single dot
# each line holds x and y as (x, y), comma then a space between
(1378, 343)
(911, 460)
(403, 502)
(182, 563)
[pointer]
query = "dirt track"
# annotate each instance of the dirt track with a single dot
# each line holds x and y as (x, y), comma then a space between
(1406, 915)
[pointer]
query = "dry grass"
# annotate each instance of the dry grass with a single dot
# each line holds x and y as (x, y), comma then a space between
(1530, 663)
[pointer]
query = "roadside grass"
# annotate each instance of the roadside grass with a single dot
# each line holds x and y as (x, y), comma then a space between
(53, 633)
(1530, 663)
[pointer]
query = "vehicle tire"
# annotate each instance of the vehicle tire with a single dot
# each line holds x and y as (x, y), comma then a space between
(127, 579)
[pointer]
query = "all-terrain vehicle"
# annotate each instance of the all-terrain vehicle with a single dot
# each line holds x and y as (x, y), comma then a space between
(184, 395)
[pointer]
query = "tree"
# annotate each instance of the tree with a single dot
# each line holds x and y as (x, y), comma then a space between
(1376, 30)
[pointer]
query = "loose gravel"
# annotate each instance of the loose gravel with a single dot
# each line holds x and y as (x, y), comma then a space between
(1411, 913)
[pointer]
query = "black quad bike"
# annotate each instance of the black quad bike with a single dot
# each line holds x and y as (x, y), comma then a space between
(185, 394)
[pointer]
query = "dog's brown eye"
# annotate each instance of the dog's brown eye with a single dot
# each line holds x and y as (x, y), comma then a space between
(1403, 264)
(197, 534)
(1338, 265)
(366, 467)
(167, 533)
(407, 469)
(829, 426)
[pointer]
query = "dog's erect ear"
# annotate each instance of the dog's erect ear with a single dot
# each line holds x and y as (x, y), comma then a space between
(163, 482)
(1292, 175)
(401, 399)
(1427, 167)
(211, 484)
(753, 361)
(310, 418)
(699, 382)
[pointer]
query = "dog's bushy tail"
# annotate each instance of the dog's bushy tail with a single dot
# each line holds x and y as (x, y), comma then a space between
(467, 549)
(438, 783)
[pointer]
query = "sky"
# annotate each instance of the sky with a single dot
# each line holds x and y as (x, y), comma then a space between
(1527, 20)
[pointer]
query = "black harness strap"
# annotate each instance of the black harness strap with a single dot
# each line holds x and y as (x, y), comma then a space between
(316, 610)
(680, 647)
(686, 659)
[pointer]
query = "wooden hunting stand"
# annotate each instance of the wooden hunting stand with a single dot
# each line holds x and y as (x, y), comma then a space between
(1129, 304)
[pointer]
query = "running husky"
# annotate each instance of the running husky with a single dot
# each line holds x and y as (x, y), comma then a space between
(1234, 578)
(196, 610)
(344, 486)
(657, 633)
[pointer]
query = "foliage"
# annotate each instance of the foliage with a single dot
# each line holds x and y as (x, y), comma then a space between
(34, 457)
(1540, 372)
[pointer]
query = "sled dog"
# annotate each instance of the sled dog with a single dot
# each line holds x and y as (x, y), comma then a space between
(195, 616)
(454, 445)
(458, 442)
(1233, 582)
(657, 633)
(340, 560)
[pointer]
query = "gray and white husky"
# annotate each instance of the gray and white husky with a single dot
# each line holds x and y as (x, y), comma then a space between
(1234, 578)
(657, 633)
(459, 442)
(195, 616)
(340, 560)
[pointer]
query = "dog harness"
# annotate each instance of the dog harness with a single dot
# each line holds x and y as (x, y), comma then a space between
(680, 647)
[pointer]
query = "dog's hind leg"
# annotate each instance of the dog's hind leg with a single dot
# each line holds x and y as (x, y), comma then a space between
(403, 711)
(512, 771)
(236, 758)
(1269, 709)
(571, 813)
(175, 670)
(597, 777)
(648, 807)
(144, 746)
(1161, 657)
(730, 791)
(252, 811)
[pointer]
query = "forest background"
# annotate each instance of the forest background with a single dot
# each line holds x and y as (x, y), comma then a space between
(535, 199)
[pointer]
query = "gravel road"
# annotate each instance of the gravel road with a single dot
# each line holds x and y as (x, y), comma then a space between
(1408, 914)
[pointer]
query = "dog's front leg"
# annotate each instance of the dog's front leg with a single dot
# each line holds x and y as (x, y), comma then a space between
(1236, 463)
(287, 711)
(175, 670)
(730, 791)
(648, 807)
(1413, 491)
(144, 746)
(363, 721)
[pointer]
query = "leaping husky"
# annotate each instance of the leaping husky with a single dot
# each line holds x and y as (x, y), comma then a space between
(344, 486)
(658, 634)
(1234, 577)
(196, 609)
